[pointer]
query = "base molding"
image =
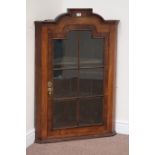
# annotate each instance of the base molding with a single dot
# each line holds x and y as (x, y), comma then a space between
(30, 137)
(120, 127)
(75, 138)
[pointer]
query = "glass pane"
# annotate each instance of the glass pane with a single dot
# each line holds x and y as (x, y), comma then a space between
(65, 83)
(91, 111)
(91, 50)
(65, 51)
(91, 82)
(64, 114)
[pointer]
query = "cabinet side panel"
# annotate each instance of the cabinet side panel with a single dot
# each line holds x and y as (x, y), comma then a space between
(44, 77)
(37, 80)
(112, 77)
(115, 71)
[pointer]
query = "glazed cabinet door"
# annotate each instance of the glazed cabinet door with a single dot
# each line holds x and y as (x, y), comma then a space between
(76, 83)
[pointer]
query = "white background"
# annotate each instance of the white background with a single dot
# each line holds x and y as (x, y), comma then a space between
(13, 77)
(109, 9)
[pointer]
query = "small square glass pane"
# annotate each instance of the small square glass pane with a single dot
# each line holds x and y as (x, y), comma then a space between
(64, 114)
(91, 82)
(91, 111)
(65, 51)
(65, 83)
(91, 50)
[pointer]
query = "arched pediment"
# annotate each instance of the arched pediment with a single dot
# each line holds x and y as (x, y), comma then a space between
(80, 15)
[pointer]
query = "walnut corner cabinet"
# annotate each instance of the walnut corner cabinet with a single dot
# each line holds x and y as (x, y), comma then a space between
(75, 61)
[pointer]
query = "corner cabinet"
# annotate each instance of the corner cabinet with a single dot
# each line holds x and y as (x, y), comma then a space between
(75, 61)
